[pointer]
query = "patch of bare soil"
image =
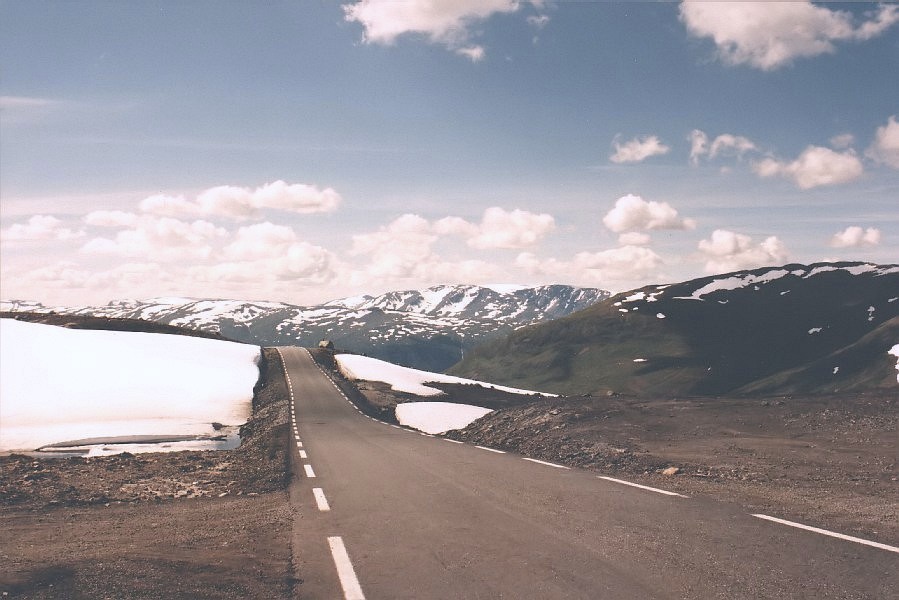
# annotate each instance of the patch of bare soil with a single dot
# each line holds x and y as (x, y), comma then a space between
(167, 525)
(829, 461)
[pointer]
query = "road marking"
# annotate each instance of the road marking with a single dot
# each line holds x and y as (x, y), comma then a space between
(425, 434)
(453, 441)
(548, 464)
(499, 451)
(303, 454)
(297, 437)
(841, 536)
(320, 500)
(309, 471)
(299, 444)
(642, 487)
(345, 571)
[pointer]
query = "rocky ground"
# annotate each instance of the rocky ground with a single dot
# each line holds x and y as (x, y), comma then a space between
(172, 525)
(829, 461)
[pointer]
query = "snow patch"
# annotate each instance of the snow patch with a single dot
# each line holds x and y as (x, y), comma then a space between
(438, 417)
(639, 360)
(895, 352)
(404, 379)
(660, 315)
(60, 384)
(814, 330)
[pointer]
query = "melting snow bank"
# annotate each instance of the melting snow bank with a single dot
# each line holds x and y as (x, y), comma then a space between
(438, 417)
(895, 352)
(404, 379)
(61, 385)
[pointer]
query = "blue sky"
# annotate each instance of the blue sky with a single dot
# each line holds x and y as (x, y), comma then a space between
(304, 151)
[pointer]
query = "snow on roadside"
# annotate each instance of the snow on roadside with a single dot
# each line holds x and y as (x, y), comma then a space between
(404, 379)
(60, 384)
(438, 417)
(895, 352)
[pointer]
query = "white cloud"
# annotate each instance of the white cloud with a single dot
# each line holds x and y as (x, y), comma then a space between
(816, 166)
(159, 238)
(770, 35)
(638, 149)
(261, 240)
(885, 148)
(725, 144)
(241, 203)
(111, 218)
(633, 213)
(538, 21)
(446, 22)
(728, 251)
(399, 250)
(854, 236)
(25, 102)
(616, 268)
(842, 141)
(473, 53)
(634, 238)
(510, 229)
(38, 228)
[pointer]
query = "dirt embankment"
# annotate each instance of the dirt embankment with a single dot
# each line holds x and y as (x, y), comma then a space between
(173, 525)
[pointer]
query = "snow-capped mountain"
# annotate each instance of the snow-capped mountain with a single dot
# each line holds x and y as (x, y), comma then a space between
(791, 329)
(425, 329)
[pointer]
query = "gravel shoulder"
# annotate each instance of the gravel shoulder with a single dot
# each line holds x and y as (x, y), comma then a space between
(166, 525)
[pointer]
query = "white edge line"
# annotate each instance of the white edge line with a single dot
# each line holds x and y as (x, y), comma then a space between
(309, 472)
(303, 454)
(841, 536)
(320, 500)
(642, 487)
(548, 464)
(498, 451)
(345, 572)
(452, 441)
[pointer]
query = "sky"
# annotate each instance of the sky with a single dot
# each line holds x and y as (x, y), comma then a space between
(307, 151)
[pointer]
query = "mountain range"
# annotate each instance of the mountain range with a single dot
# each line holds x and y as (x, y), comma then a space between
(825, 327)
(427, 329)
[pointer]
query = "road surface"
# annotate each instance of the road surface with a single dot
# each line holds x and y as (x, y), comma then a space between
(386, 512)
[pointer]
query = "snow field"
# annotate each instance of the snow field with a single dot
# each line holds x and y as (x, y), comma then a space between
(404, 379)
(430, 417)
(60, 384)
(438, 417)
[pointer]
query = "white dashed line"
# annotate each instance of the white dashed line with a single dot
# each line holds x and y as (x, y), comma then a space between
(452, 441)
(345, 572)
(309, 472)
(303, 454)
(320, 500)
(642, 487)
(495, 450)
(548, 464)
(841, 536)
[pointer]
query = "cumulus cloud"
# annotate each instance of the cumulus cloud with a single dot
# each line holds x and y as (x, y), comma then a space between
(159, 238)
(816, 166)
(728, 251)
(241, 203)
(771, 35)
(885, 148)
(446, 22)
(638, 149)
(111, 218)
(633, 213)
(725, 144)
(398, 250)
(854, 237)
(615, 268)
(634, 238)
(38, 228)
(500, 228)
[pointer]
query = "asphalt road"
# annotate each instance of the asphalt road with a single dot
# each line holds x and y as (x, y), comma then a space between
(414, 516)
